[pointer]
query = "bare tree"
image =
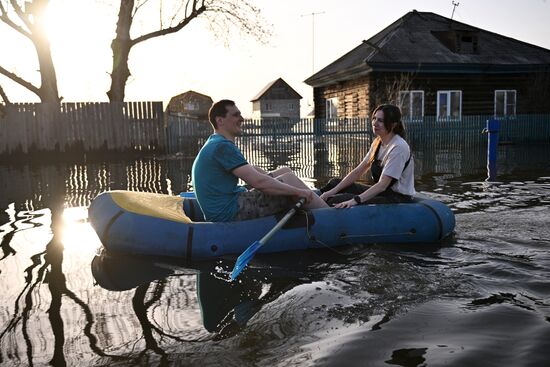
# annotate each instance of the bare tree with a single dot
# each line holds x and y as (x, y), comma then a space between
(221, 15)
(387, 88)
(27, 20)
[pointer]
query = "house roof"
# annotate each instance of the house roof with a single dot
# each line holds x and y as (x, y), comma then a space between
(189, 93)
(426, 42)
(278, 83)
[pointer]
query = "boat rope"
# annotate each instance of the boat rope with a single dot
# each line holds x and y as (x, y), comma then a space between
(312, 238)
(409, 233)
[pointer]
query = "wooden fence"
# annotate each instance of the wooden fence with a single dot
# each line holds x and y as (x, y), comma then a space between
(82, 127)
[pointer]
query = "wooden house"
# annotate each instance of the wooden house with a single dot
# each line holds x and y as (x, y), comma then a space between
(190, 104)
(276, 100)
(434, 66)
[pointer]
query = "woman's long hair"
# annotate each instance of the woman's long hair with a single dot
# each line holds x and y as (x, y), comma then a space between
(392, 115)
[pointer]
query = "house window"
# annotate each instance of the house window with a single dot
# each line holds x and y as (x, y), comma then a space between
(449, 104)
(505, 103)
(291, 106)
(268, 106)
(411, 103)
(332, 108)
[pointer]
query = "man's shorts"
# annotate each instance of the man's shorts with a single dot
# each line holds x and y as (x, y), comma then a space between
(255, 204)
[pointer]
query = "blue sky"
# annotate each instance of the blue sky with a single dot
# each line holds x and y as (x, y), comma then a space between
(194, 60)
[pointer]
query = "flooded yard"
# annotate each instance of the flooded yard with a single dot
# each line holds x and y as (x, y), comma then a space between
(481, 298)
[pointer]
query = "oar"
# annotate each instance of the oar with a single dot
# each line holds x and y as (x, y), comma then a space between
(248, 254)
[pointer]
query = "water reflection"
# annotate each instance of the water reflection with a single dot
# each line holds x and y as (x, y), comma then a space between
(75, 185)
(225, 307)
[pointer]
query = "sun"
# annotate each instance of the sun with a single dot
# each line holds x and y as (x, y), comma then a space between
(80, 35)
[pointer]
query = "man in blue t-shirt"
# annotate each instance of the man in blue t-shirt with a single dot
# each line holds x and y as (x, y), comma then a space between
(219, 166)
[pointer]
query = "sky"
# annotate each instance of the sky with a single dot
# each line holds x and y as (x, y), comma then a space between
(194, 59)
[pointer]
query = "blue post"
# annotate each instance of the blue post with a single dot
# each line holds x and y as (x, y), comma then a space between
(493, 127)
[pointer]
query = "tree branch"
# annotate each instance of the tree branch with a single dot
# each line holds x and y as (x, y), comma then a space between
(20, 81)
(21, 14)
(6, 19)
(162, 32)
(4, 96)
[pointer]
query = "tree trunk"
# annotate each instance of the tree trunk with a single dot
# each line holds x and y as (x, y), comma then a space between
(121, 46)
(48, 91)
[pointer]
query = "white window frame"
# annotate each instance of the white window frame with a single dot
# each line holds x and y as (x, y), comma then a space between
(411, 99)
(291, 106)
(449, 99)
(268, 107)
(506, 92)
(331, 108)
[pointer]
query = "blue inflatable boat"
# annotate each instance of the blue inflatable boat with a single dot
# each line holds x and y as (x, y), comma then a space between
(142, 223)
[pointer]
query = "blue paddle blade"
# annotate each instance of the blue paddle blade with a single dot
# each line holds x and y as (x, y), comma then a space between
(244, 258)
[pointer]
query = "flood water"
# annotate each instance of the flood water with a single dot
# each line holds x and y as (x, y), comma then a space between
(480, 298)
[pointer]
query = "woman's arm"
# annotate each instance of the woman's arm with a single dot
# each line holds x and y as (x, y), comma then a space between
(348, 180)
(368, 194)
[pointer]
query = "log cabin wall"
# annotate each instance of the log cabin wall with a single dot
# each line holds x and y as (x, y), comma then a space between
(357, 98)
(353, 98)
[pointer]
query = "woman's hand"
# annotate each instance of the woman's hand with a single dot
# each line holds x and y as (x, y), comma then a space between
(346, 204)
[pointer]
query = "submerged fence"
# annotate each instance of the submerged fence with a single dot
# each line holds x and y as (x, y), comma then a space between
(186, 135)
(82, 127)
(143, 127)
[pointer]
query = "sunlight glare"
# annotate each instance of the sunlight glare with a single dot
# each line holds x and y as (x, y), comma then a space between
(77, 233)
(80, 35)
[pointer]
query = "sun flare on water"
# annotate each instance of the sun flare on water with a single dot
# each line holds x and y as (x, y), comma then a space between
(77, 234)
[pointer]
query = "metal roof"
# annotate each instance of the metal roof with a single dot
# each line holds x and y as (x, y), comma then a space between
(423, 42)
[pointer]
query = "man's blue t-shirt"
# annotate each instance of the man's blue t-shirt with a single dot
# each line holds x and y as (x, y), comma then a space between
(216, 187)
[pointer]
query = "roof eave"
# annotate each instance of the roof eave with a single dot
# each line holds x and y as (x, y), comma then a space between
(458, 68)
(340, 76)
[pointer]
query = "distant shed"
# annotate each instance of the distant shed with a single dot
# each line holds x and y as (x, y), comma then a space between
(190, 104)
(276, 100)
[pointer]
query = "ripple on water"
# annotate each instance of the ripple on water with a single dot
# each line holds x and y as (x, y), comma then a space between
(445, 333)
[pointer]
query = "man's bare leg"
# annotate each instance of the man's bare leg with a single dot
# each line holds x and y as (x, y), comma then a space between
(280, 171)
(291, 179)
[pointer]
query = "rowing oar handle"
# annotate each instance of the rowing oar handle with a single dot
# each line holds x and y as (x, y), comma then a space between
(283, 221)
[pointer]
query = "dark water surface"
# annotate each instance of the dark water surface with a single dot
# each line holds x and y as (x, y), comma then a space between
(481, 298)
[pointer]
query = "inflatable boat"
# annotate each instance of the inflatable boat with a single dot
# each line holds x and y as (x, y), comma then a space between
(140, 223)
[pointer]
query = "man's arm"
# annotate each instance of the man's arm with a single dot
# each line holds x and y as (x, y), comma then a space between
(261, 170)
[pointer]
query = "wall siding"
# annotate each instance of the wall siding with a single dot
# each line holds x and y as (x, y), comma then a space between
(280, 106)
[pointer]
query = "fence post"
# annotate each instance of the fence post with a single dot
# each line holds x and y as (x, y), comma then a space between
(319, 127)
(493, 127)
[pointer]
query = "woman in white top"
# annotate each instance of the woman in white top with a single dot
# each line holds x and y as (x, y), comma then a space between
(391, 166)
